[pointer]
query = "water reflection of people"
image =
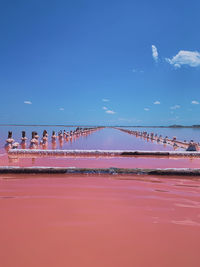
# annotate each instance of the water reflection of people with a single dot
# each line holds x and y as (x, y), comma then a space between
(53, 145)
(60, 138)
(53, 140)
(13, 160)
(70, 139)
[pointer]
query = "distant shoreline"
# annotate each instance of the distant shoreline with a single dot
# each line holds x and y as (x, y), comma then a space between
(122, 126)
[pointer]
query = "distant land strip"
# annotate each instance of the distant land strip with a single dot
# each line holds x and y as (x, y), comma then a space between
(107, 126)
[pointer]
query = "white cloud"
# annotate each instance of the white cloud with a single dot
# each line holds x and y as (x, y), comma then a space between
(146, 109)
(139, 71)
(28, 102)
(154, 52)
(104, 108)
(105, 100)
(191, 58)
(110, 111)
(194, 102)
(175, 107)
(61, 109)
(157, 103)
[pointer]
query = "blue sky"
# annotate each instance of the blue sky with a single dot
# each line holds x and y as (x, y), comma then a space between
(100, 62)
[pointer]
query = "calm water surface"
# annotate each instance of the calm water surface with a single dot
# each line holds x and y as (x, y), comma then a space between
(95, 221)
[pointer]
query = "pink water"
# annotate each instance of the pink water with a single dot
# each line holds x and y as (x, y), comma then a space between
(97, 221)
(101, 162)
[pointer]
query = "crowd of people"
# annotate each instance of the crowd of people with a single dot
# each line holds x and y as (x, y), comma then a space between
(36, 142)
(189, 146)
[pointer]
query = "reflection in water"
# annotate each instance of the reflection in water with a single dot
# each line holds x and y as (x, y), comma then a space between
(60, 143)
(23, 145)
(186, 223)
(192, 205)
(13, 160)
(53, 144)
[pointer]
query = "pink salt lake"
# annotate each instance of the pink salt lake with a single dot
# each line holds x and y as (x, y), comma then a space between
(110, 221)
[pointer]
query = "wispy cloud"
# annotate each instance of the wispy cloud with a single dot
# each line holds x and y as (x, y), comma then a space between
(61, 109)
(190, 58)
(157, 103)
(154, 52)
(27, 102)
(108, 111)
(175, 107)
(138, 71)
(194, 102)
(146, 109)
(105, 100)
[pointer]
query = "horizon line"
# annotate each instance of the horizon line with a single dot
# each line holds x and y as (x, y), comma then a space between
(109, 126)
